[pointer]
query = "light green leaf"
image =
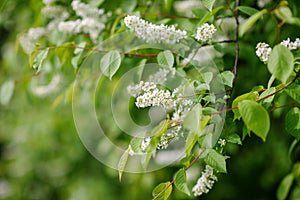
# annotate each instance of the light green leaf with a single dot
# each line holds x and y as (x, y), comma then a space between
(266, 93)
(285, 14)
(293, 91)
(180, 182)
(207, 16)
(227, 78)
(284, 187)
(248, 23)
(128, 6)
(247, 10)
(38, 60)
(191, 140)
(292, 122)
(281, 63)
(208, 4)
(156, 193)
(207, 77)
(249, 96)
(192, 121)
(234, 139)
(6, 92)
(135, 144)
(110, 63)
(78, 53)
(165, 59)
(216, 161)
(255, 117)
(122, 163)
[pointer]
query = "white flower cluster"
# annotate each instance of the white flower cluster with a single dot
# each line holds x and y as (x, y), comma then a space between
(263, 51)
(145, 143)
(29, 39)
(205, 32)
(205, 182)
(91, 22)
(291, 45)
(160, 76)
(154, 33)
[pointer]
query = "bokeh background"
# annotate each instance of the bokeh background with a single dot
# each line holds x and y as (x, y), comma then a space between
(42, 156)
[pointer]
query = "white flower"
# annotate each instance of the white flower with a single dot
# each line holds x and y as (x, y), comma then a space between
(205, 182)
(29, 39)
(205, 32)
(291, 45)
(70, 26)
(154, 33)
(130, 151)
(222, 142)
(263, 51)
(145, 143)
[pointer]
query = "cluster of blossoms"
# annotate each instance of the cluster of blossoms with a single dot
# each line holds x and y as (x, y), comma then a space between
(205, 182)
(91, 22)
(154, 33)
(263, 50)
(205, 32)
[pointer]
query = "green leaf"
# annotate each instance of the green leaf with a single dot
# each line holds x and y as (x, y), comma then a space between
(156, 193)
(122, 163)
(165, 59)
(208, 4)
(199, 12)
(293, 91)
(6, 92)
(78, 53)
(180, 182)
(255, 117)
(38, 60)
(234, 139)
(284, 187)
(292, 122)
(285, 14)
(248, 10)
(64, 52)
(247, 96)
(216, 161)
(281, 63)
(266, 93)
(248, 23)
(207, 16)
(191, 140)
(192, 121)
(186, 160)
(136, 144)
(227, 78)
(128, 6)
(110, 63)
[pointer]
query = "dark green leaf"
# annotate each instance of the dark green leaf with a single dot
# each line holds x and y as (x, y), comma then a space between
(247, 10)
(292, 122)
(255, 117)
(284, 187)
(281, 63)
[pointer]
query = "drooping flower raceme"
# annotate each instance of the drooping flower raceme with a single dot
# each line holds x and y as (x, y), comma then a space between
(263, 51)
(154, 33)
(205, 182)
(291, 45)
(205, 32)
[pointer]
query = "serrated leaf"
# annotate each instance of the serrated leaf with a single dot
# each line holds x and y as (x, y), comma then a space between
(247, 10)
(6, 92)
(234, 139)
(122, 163)
(284, 187)
(208, 4)
(180, 182)
(292, 122)
(293, 91)
(247, 96)
(166, 59)
(38, 60)
(110, 63)
(156, 193)
(227, 78)
(216, 161)
(255, 117)
(281, 63)
(186, 160)
(248, 23)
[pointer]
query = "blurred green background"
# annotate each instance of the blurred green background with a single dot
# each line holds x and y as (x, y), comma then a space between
(42, 156)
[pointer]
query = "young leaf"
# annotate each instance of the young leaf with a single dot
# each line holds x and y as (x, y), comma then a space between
(162, 191)
(284, 187)
(38, 60)
(216, 160)
(122, 163)
(180, 182)
(255, 117)
(292, 122)
(249, 96)
(227, 78)
(208, 4)
(110, 63)
(281, 63)
(266, 93)
(6, 92)
(165, 59)
(293, 91)
(248, 23)
(247, 10)
(234, 139)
